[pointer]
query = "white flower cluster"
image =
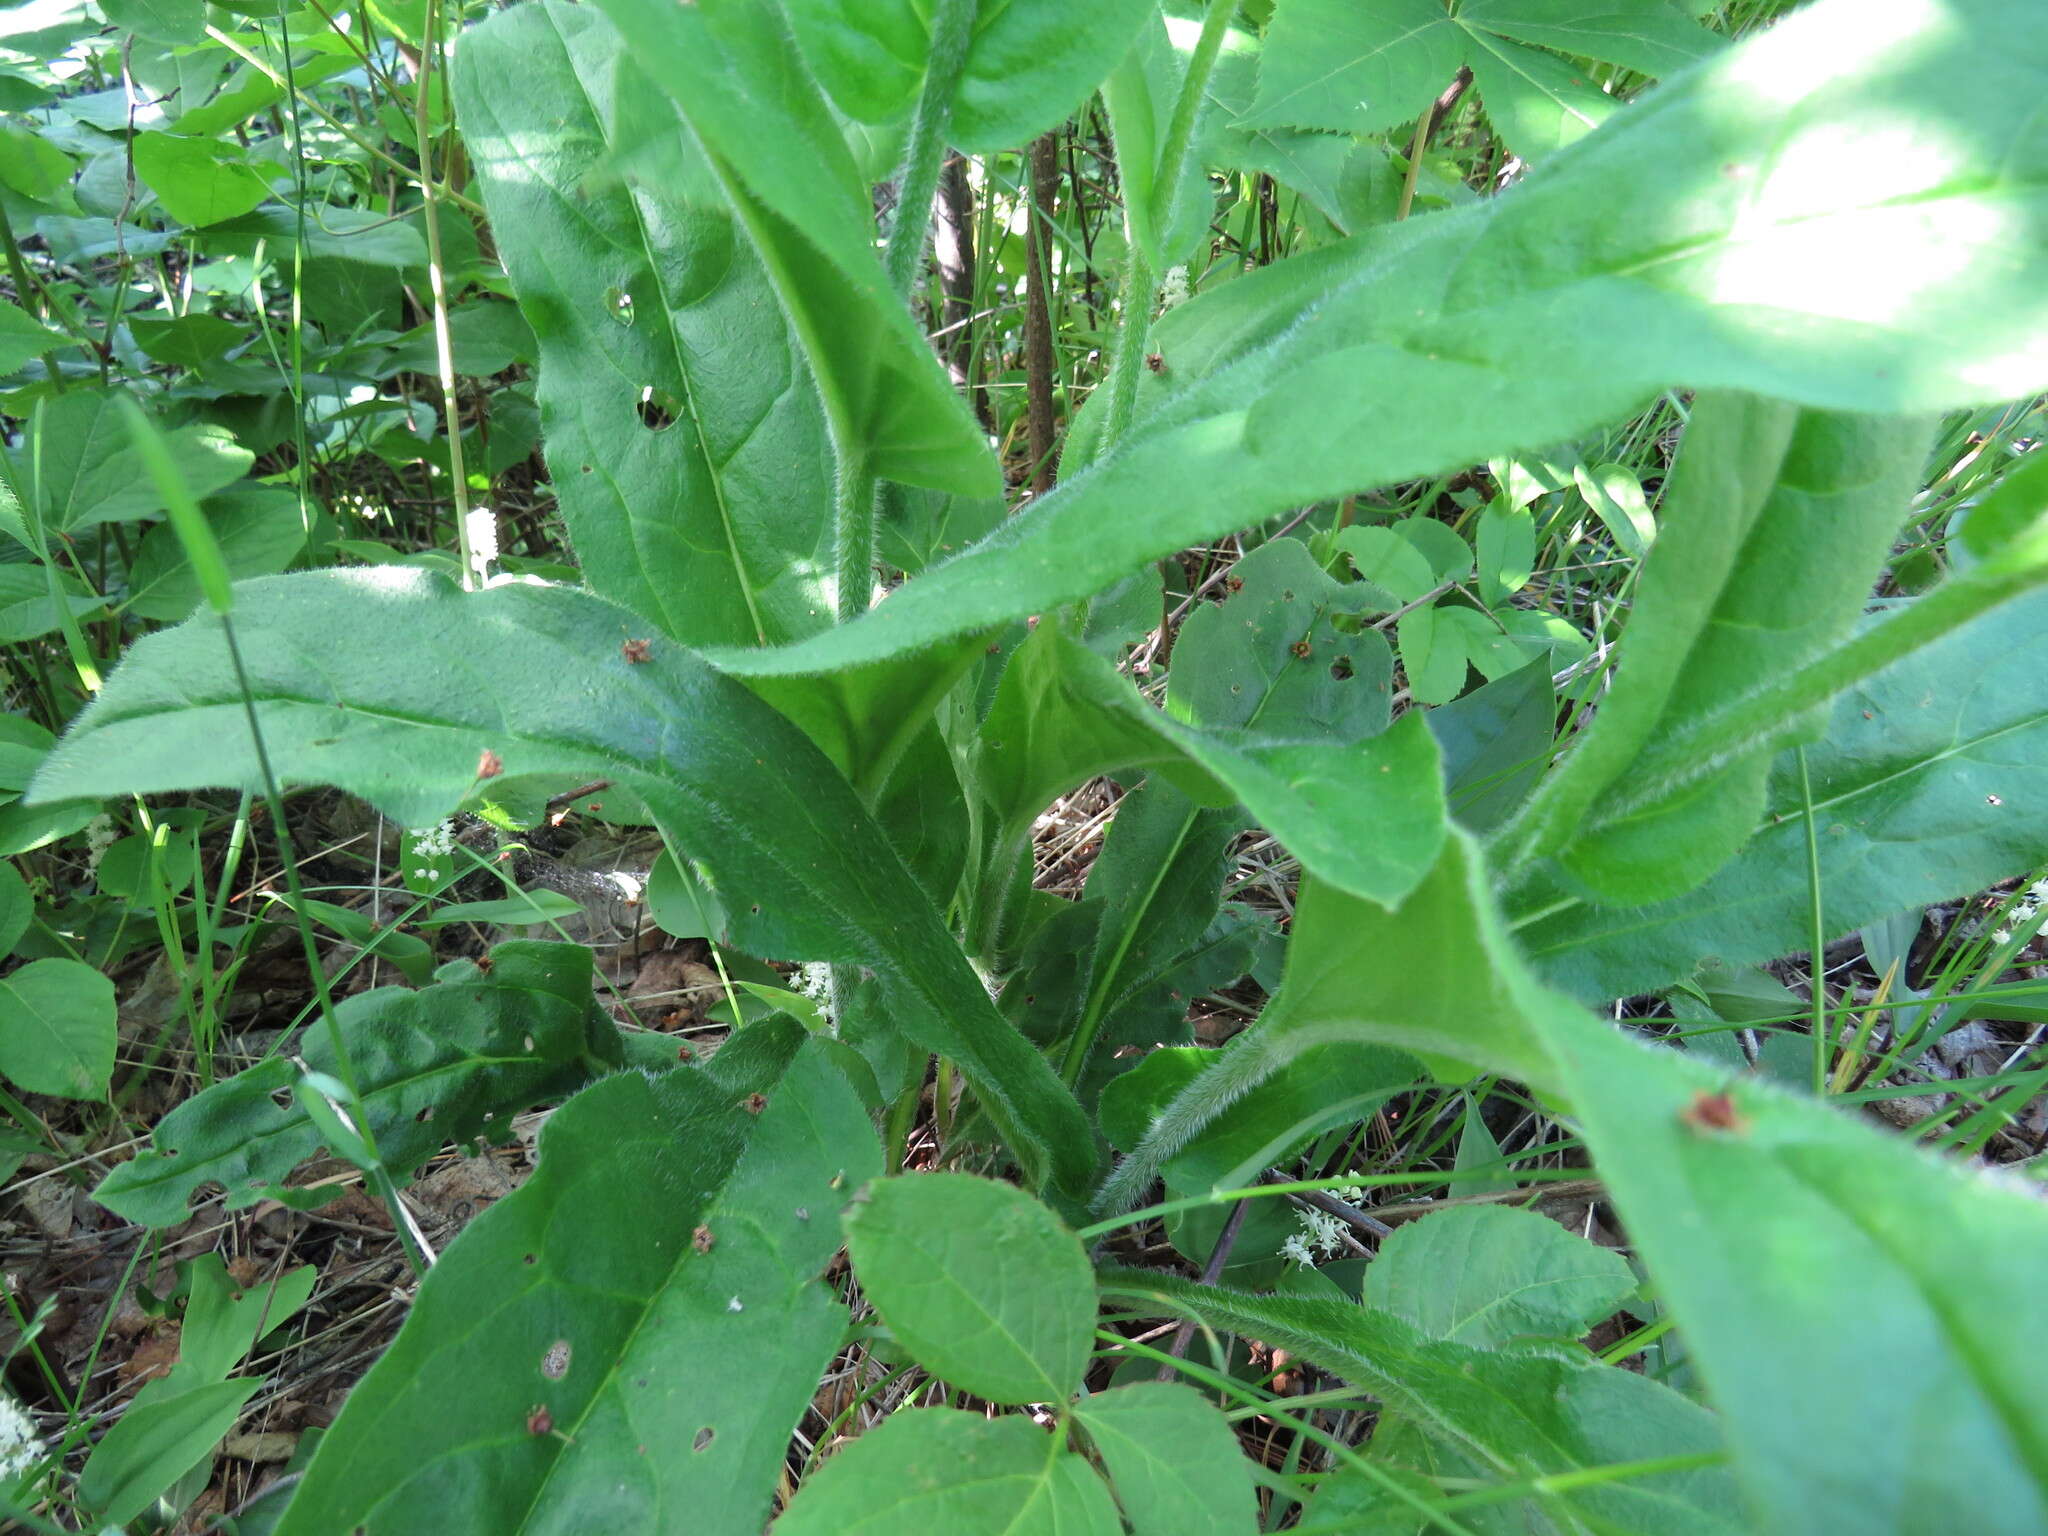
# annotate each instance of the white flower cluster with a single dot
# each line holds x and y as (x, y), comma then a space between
(100, 835)
(814, 981)
(1321, 1236)
(430, 845)
(20, 1448)
(1173, 288)
(482, 526)
(2022, 912)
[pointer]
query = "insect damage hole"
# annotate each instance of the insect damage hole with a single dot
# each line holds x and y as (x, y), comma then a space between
(619, 305)
(1340, 669)
(555, 1363)
(704, 1438)
(658, 409)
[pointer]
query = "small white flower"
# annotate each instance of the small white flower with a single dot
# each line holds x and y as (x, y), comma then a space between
(20, 1448)
(432, 844)
(2002, 938)
(482, 524)
(1173, 288)
(100, 835)
(2038, 891)
(1297, 1250)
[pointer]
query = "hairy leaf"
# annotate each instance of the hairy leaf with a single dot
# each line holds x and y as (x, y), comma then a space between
(1780, 249)
(683, 430)
(536, 677)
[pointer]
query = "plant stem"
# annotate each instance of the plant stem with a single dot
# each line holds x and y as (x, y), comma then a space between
(853, 542)
(1818, 973)
(444, 346)
(1134, 323)
(952, 31)
(18, 270)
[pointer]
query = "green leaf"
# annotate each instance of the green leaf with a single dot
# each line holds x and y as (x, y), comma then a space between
(76, 466)
(777, 150)
(1325, 1086)
(1028, 66)
(1166, 222)
(939, 1469)
(1495, 742)
(1351, 69)
(667, 1233)
(224, 1320)
(22, 338)
(163, 1435)
(1487, 1275)
(194, 181)
(1526, 1413)
(527, 909)
(801, 867)
(17, 908)
(26, 608)
(1760, 490)
(30, 164)
(1447, 341)
(1930, 783)
(978, 1281)
(1365, 810)
(1752, 1233)
(444, 1064)
(57, 1029)
(170, 22)
(686, 442)
(1176, 1465)
(259, 533)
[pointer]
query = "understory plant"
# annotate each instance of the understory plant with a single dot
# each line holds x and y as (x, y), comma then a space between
(808, 643)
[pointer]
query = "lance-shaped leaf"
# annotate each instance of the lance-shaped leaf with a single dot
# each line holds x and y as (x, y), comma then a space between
(1781, 248)
(571, 1356)
(435, 1066)
(1763, 496)
(683, 432)
(777, 150)
(1028, 66)
(534, 680)
(1523, 1413)
(1755, 1211)
(1930, 783)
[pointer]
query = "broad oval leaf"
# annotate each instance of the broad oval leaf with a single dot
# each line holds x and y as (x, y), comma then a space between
(1176, 1465)
(1486, 1275)
(538, 678)
(939, 1469)
(779, 154)
(979, 1281)
(57, 1029)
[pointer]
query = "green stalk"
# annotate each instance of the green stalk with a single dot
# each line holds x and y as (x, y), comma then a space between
(444, 346)
(18, 270)
(1134, 324)
(853, 543)
(952, 31)
(1818, 967)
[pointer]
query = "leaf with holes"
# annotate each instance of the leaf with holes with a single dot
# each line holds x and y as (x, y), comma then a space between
(683, 431)
(572, 1352)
